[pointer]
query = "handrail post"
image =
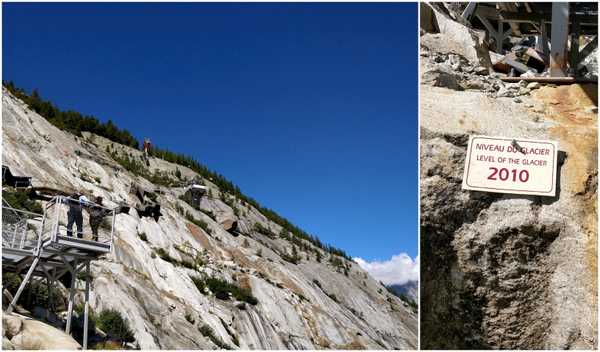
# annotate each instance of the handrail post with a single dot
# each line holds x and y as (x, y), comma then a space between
(71, 298)
(57, 203)
(41, 234)
(112, 229)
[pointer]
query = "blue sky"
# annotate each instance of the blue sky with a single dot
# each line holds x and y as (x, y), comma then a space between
(310, 108)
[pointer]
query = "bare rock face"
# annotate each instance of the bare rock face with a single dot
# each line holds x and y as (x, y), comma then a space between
(320, 301)
(27, 334)
(508, 271)
(495, 267)
(503, 271)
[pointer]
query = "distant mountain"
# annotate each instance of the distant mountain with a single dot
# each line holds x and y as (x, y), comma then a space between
(409, 290)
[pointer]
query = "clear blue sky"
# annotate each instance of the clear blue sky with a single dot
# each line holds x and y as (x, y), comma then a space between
(311, 109)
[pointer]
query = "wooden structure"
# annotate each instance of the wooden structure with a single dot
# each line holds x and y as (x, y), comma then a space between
(557, 27)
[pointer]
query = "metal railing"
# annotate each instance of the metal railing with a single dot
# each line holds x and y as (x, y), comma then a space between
(85, 220)
(20, 228)
(63, 218)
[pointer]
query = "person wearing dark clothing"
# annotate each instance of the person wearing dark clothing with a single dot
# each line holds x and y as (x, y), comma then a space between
(75, 216)
(97, 213)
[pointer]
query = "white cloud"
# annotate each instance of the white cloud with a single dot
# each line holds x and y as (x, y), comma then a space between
(397, 270)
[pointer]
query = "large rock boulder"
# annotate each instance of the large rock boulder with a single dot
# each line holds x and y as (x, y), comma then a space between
(28, 334)
(444, 35)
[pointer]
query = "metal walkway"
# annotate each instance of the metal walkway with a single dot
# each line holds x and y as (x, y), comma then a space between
(39, 245)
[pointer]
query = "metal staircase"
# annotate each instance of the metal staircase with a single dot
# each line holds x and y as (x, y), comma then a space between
(38, 245)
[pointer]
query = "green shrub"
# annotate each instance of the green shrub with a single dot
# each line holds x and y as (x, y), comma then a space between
(258, 227)
(189, 318)
(130, 164)
(160, 178)
(165, 256)
(111, 322)
(11, 282)
(333, 297)
(289, 258)
(201, 224)
(72, 121)
(143, 236)
(316, 282)
(200, 284)
(107, 345)
(20, 200)
(209, 213)
(208, 332)
(408, 301)
(221, 289)
(188, 264)
(34, 294)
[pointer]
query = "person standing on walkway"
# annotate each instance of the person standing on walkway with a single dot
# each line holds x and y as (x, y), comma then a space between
(97, 213)
(75, 216)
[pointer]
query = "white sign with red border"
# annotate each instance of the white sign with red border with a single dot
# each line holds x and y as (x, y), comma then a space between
(510, 165)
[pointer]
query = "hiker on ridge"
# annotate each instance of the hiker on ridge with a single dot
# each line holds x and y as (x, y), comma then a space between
(147, 146)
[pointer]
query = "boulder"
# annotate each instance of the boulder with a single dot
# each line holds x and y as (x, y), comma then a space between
(457, 38)
(6, 344)
(35, 335)
(11, 324)
(589, 66)
(441, 76)
(227, 221)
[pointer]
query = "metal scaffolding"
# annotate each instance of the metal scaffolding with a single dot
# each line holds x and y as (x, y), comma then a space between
(39, 245)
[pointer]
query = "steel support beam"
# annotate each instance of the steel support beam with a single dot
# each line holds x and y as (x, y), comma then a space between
(499, 37)
(22, 286)
(588, 49)
(468, 11)
(86, 306)
(559, 37)
(542, 44)
(71, 298)
(574, 49)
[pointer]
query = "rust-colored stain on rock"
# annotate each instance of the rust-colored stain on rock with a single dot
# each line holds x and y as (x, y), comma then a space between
(574, 109)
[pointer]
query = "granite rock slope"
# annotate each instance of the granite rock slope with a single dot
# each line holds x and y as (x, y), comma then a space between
(313, 304)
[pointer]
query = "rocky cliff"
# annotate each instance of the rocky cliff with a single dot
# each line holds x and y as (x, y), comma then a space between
(499, 270)
(320, 301)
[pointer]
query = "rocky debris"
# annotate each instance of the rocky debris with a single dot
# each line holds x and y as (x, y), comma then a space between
(506, 271)
(155, 277)
(447, 36)
(447, 62)
(22, 333)
(454, 72)
(442, 76)
(588, 67)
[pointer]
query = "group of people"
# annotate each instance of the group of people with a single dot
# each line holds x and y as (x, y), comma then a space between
(77, 203)
(75, 214)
